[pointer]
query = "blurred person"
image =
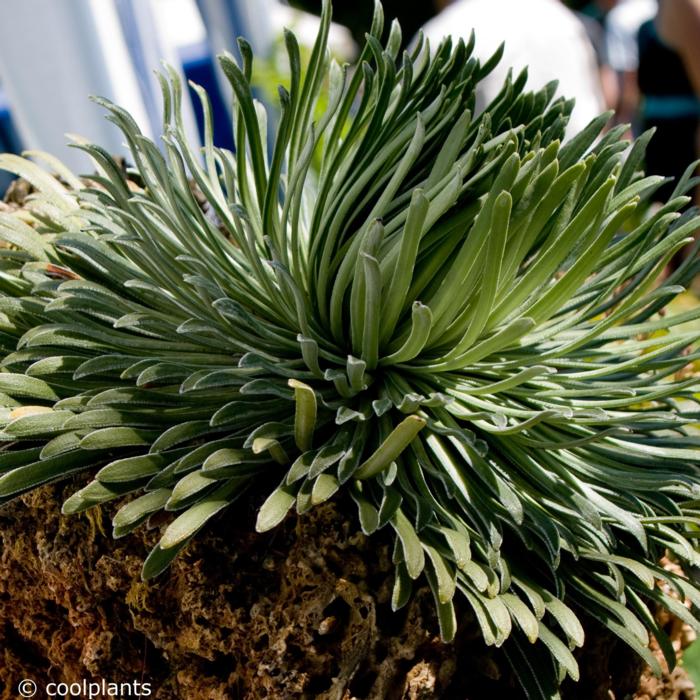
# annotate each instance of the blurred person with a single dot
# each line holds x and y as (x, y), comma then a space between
(593, 16)
(622, 25)
(593, 13)
(679, 24)
(543, 35)
(597, 10)
(669, 80)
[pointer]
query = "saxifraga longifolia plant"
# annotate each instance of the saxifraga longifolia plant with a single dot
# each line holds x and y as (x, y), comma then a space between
(454, 319)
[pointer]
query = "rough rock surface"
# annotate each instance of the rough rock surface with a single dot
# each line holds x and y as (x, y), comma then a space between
(301, 612)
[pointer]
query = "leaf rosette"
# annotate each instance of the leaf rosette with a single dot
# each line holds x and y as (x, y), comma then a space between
(454, 319)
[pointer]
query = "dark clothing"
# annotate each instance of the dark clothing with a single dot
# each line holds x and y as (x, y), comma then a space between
(669, 103)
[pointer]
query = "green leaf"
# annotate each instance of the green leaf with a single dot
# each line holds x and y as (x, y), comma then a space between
(275, 508)
(305, 413)
(140, 508)
(559, 651)
(230, 457)
(22, 385)
(403, 588)
(324, 487)
(159, 560)
(521, 614)
(367, 513)
(36, 424)
(445, 609)
(65, 442)
(395, 298)
(131, 468)
(188, 488)
(177, 434)
(107, 438)
(533, 670)
(397, 441)
(89, 496)
(34, 474)
(412, 550)
(444, 578)
(196, 516)
(421, 323)
(38, 177)
(459, 545)
(565, 617)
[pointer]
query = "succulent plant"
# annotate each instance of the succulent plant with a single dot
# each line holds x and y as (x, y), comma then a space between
(452, 319)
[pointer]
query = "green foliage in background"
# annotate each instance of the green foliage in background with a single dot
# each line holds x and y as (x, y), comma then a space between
(455, 321)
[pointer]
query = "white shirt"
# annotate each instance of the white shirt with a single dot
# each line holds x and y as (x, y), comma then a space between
(541, 34)
(621, 28)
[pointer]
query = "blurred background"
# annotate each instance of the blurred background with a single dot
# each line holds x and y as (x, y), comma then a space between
(640, 58)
